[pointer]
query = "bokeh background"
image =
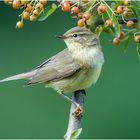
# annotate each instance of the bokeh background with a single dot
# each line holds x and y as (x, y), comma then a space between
(112, 106)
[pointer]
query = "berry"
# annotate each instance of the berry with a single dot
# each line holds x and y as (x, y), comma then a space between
(25, 15)
(39, 6)
(16, 4)
(81, 22)
(130, 24)
(120, 9)
(75, 10)
(44, 2)
(28, 8)
(33, 18)
(36, 12)
(101, 9)
(109, 23)
(66, 6)
(137, 39)
(122, 35)
(86, 16)
(116, 41)
(19, 24)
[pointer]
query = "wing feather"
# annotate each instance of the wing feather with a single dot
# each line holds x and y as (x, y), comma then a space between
(57, 67)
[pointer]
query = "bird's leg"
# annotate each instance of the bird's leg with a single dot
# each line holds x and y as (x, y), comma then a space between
(78, 110)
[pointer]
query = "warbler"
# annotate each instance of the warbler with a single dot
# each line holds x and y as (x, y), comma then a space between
(75, 68)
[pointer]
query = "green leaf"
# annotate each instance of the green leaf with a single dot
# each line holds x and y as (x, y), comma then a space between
(108, 30)
(76, 133)
(136, 10)
(47, 12)
(111, 14)
(127, 42)
(119, 2)
(138, 50)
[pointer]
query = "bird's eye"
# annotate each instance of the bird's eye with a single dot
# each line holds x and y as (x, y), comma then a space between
(75, 35)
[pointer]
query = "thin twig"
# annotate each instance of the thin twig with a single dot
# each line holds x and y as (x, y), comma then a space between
(124, 22)
(75, 122)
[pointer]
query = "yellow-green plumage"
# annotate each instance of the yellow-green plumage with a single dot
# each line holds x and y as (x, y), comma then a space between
(74, 68)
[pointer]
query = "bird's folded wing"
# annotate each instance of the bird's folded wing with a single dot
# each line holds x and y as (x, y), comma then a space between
(57, 67)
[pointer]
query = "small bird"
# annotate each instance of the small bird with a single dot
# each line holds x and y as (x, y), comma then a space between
(75, 68)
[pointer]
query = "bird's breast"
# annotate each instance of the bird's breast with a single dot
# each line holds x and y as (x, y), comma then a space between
(89, 57)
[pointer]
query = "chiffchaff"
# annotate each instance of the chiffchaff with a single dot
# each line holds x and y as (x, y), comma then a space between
(75, 68)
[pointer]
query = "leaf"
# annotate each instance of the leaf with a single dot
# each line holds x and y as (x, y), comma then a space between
(111, 14)
(119, 2)
(136, 10)
(47, 12)
(108, 30)
(138, 50)
(76, 133)
(127, 41)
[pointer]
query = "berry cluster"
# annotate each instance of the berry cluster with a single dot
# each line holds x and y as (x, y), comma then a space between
(83, 15)
(124, 10)
(84, 11)
(76, 10)
(31, 9)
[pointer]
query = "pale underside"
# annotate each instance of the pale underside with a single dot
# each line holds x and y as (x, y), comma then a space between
(65, 74)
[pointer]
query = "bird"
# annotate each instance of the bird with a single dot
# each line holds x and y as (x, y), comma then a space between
(76, 67)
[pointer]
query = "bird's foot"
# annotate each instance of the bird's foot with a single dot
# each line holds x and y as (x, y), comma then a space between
(78, 111)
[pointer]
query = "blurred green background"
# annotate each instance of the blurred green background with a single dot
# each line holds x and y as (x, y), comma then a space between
(112, 106)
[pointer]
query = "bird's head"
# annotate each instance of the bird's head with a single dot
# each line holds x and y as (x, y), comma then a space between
(80, 37)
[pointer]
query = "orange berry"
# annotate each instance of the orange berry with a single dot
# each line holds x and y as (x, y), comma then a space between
(19, 24)
(36, 12)
(86, 16)
(28, 8)
(44, 2)
(116, 41)
(39, 6)
(81, 22)
(120, 9)
(75, 10)
(122, 35)
(66, 6)
(130, 24)
(33, 18)
(101, 9)
(25, 15)
(137, 39)
(16, 4)
(109, 23)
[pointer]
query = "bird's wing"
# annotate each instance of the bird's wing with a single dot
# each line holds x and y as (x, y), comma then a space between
(57, 67)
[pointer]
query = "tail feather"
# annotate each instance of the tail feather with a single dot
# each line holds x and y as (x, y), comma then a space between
(27, 75)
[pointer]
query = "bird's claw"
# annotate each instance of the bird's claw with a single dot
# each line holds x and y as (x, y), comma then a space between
(78, 111)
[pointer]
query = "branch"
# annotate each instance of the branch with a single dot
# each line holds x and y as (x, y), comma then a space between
(124, 22)
(74, 121)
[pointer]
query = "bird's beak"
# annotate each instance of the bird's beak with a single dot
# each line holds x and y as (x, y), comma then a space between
(61, 37)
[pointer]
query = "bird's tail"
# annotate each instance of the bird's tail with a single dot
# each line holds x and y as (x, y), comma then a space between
(27, 75)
